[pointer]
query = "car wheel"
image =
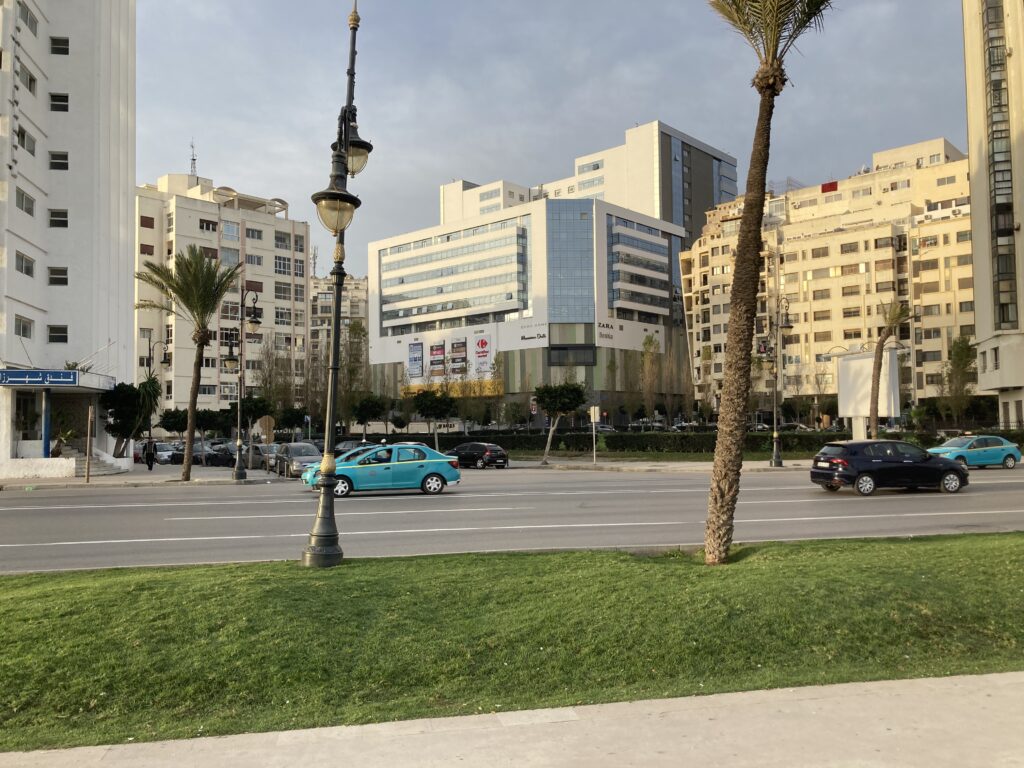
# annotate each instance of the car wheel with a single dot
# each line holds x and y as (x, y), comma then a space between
(432, 484)
(1009, 461)
(343, 488)
(830, 488)
(962, 460)
(481, 464)
(865, 485)
(950, 482)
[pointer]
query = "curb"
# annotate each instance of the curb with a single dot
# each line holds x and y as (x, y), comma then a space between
(666, 469)
(22, 485)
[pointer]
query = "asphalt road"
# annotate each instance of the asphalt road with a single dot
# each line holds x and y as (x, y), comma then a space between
(492, 510)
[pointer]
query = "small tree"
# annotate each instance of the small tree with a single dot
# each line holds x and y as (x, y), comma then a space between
(370, 408)
(557, 400)
(958, 374)
(292, 418)
(174, 420)
(432, 406)
(207, 419)
(122, 406)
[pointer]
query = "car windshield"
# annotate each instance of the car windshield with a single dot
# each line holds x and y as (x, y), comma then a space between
(304, 450)
(957, 442)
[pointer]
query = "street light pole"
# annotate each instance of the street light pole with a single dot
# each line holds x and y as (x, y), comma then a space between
(335, 207)
(252, 324)
(781, 322)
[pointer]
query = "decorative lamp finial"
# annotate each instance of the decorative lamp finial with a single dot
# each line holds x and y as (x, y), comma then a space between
(353, 18)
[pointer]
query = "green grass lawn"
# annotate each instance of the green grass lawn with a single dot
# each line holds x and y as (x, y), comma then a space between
(143, 654)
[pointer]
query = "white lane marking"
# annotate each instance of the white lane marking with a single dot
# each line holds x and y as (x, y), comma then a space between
(510, 528)
(356, 514)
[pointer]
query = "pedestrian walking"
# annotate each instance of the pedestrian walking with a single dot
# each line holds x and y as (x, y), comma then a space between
(149, 452)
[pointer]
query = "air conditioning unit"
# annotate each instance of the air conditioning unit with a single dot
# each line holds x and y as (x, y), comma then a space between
(956, 211)
(927, 217)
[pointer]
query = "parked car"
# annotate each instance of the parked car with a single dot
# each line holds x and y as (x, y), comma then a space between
(261, 452)
(390, 467)
(163, 453)
(605, 428)
(979, 451)
(760, 427)
(292, 458)
(480, 455)
(199, 455)
(871, 464)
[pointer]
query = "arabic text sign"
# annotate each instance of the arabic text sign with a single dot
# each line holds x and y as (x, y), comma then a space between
(458, 356)
(437, 359)
(16, 378)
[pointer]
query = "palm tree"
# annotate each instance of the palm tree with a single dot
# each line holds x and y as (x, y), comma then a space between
(893, 315)
(771, 28)
(192, 290)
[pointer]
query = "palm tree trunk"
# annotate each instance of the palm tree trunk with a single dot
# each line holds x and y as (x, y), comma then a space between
(876, 375)
(732, 416)
(193, 399)
(551, 434)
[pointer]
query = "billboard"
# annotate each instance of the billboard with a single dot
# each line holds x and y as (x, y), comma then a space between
(415, 365)
(437, 359)
(457, 359)
(482, 355)
(855, 384)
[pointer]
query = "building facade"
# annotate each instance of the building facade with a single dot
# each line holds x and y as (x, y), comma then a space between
(354, 302)
(835, 255)
(993, 31)
(182, 210)
(524, 286)
(66, 204)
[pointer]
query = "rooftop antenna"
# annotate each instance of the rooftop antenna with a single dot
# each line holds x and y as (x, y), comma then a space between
(192, 167)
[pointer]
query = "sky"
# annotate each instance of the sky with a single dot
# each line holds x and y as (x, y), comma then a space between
(487, 89)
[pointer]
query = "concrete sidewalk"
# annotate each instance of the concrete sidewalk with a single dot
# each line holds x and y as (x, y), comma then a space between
(139, 476)
(930, 723)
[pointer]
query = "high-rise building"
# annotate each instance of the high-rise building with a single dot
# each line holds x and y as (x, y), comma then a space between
(68, 168)
(526, 285)
(321, 313)
(993, 49)
(234, 228)
(839, 253)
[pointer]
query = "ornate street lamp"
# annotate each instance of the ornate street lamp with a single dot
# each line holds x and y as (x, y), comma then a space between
(335, 206)
(237, 363)
(781, 323)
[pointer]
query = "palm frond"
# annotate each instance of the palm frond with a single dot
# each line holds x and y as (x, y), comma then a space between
(771, 27)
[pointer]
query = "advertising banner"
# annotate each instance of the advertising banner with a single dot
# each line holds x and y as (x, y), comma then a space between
(482, 355)
(437, 359)
(415, 366)
(457, 359)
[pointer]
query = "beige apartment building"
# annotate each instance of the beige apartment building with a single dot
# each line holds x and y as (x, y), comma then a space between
(836, 254)
(993, 49)
(234, 228)
(353, 307)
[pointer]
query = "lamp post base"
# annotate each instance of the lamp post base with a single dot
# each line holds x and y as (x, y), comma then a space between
(776, 460)
(324, 549)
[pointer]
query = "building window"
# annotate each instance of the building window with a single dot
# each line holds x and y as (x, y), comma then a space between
(60, 46)
(146, 222)
(170, 222)
(823, 314)
(282, 265)
(300, 244)
(282, 316)
(300, 293)
(28, 18)
(22, 327)
(851, 311)
(299, 268)
(254, 259)
(819, 253)
(966, 306)
(58, 218)
(229, 230)
(849, 247)
(966, 330)
(851, 333)
(229, 256)
(25, 202)
(283, 291)
(821, 294)
(823, 336)
(57, 275)
(59, 161)
(208, 390)
(146, 250)
(851, 290)
(210, 253)
(206, 225)
(229, 310)
(57, 334)
(59, 102)
(253, 234)
(283, 240)
(26, 140)
(27, 78)
(24, 264)
(572, 355)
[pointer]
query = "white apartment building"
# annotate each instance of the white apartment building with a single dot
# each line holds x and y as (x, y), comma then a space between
(993, 48)
(235, 228)
(67, 70)
(560, 280)
(838, 253)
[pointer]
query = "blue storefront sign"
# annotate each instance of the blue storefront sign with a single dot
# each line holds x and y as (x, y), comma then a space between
(17, 378)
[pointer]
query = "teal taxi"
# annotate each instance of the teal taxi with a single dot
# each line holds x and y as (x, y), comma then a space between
(390, 467)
